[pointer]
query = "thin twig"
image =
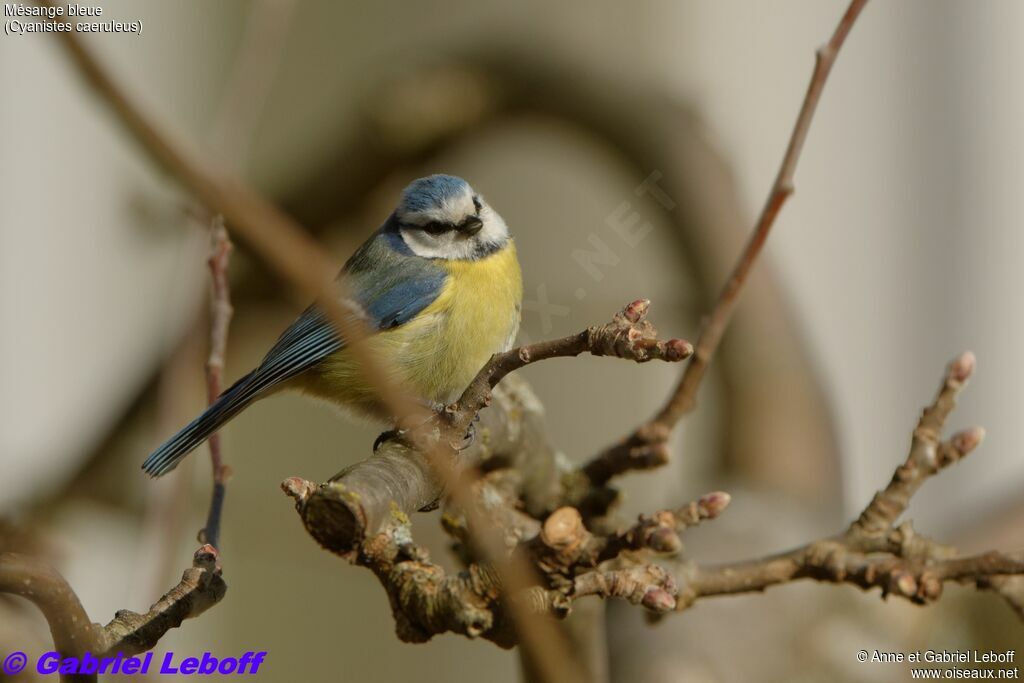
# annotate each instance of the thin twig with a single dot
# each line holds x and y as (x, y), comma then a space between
(629, 335)
(928, 454)
(220, 321)
(241, 104)
(646, 448)
(200, 588)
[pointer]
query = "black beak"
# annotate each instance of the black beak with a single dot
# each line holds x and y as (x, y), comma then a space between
(471, 225)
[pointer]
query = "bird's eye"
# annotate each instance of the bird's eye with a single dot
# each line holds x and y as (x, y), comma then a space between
(477, 204)
(436, 228)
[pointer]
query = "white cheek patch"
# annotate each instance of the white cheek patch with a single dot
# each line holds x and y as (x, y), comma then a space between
(494, 231)
(453, 245)
(446, 245)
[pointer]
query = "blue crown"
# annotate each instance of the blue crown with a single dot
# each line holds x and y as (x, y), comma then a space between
(431, 192)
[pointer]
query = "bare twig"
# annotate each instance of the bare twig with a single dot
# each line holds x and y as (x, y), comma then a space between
(646, 447)
(927, 453)
(629, 335)
(238, 112)
(919, 581)
(220, 320)
(873, 551)
(200, 588)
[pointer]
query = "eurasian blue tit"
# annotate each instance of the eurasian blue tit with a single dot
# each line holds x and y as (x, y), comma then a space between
(440, 288)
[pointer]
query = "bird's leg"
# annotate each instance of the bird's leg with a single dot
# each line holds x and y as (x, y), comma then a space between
(467, 440)
(384, 437)
(447, 413)
(439, 411)
(400, 431)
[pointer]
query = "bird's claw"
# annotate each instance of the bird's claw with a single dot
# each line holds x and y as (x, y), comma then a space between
(439, 411)
(386, 436)
(468, 439)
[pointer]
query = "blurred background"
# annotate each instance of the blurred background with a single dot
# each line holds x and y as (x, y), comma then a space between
(901, 248)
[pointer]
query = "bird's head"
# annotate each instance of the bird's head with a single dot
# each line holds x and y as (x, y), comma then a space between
(440, 216)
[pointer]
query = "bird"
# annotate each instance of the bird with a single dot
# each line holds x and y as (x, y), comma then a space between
(439, 287)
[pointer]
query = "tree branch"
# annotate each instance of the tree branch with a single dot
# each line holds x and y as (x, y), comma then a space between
(570, 561)
(646, 447)
(398, 480)
(873, 551)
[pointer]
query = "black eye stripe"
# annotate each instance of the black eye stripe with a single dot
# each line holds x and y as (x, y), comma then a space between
(437, 228)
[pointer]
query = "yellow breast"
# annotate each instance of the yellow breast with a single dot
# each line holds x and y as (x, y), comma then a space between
(437, 354)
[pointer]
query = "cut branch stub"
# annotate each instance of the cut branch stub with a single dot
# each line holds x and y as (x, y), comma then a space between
(397, 481)
(364, 498)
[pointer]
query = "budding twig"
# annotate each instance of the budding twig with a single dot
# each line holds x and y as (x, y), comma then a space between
(873, 552)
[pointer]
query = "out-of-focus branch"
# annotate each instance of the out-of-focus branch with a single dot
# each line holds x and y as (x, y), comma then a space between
(128, 633)
(647, 446)
(220, 320)
(279, 240)
(285, 246)
(253, 71)
(73, 633)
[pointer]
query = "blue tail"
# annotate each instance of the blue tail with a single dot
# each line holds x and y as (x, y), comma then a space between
(227, 405)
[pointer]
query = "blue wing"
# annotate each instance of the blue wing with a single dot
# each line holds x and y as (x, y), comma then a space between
(388, 283)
